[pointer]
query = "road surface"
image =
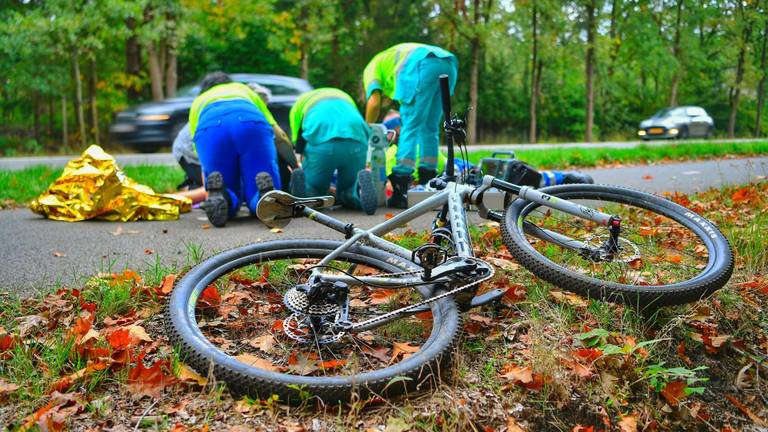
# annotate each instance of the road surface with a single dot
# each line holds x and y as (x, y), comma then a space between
(38, 254)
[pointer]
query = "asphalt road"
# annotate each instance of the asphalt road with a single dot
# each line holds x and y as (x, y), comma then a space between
(37, 253)
(17, 163)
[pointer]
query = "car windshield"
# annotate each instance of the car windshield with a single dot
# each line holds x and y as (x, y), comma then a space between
(662, 113)
(275, 88)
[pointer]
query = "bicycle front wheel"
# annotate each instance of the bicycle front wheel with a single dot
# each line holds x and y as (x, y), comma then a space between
(230, 316)
(668, 254)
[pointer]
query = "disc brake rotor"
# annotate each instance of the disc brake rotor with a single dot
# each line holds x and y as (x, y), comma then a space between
(629, 250)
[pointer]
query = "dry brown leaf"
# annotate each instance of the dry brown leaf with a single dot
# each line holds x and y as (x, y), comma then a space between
(402, 349)
(518, 374)
(258, 362)
(137, 332)
(513, 426)
(265, 343)
(187, 374)
(566, 297)
(628, 423)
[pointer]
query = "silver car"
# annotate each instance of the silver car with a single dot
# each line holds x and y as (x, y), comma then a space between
(678, 122)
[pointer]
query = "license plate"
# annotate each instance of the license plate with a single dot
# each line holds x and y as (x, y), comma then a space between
(122, 128)
(656, 131)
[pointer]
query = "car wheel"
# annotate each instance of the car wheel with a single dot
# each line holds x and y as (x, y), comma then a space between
(683, 133)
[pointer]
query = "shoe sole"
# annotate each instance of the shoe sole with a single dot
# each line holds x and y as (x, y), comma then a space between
(264, 183)
(216, 205)
(298, 186)
(369, 199)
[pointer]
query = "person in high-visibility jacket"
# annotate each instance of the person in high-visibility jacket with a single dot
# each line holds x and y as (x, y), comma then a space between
(329, 130)
(408, 73)
(234, 135)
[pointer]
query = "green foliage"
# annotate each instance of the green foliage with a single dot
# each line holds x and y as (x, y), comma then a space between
(642, 49)
(658, 376)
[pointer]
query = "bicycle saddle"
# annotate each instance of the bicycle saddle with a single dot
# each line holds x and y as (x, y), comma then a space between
(277, 208)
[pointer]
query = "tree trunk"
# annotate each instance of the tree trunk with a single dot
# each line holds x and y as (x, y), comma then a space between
(735, 92)
(171, 78)
(79, 98)
(64, 137)
(50, 117)
(761, 85)
(36, 116)
(132, 60)
(304, 72)
(155, 72)
(94, 113)
(589, 70)
(676, 55)
(474, 63)
(534, 75)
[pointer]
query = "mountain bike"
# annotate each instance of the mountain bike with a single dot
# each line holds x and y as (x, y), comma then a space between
(365, 317)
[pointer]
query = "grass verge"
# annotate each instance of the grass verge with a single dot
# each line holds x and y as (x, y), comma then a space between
(21, 187)
(540, 359)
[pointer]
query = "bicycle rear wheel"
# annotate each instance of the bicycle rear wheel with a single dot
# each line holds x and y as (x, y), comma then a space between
(669, 255)
(229, 316)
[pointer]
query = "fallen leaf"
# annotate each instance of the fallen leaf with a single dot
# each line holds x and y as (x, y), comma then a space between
(7, 388)
(580, 428)
(187, 374)
(380, 353)
(382, 295)
(402, 349)
(59, 254)
(302, 364)
(148, 251)
(210, 297)
(748, 412)
(647, 177)
(138, 333)
(276, 230)
(674, 392)
(167, 285)
(513, 426)
(514, 294)
(579, 369)
(258, 362)
(588, 354)
(119, 339)
(149, 381)
(265, 343)
(628, 423)
(205, 226)
(567, 297)
(517, 374)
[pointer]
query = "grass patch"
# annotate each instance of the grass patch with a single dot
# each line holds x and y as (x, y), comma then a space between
(542, 361)
(21, 187)
(561, 158)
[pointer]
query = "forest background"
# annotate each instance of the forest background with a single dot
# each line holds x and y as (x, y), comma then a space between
(535, 70)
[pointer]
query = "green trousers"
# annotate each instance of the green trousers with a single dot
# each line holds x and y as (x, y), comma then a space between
(347, 157)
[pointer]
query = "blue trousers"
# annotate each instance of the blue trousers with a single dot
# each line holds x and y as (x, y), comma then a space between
(421, 117)
(347, 156)
(234, 138)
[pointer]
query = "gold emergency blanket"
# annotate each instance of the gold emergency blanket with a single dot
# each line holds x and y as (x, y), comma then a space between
(92, 186)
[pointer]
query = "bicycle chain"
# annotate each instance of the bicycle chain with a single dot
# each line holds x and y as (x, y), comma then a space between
(425, 302)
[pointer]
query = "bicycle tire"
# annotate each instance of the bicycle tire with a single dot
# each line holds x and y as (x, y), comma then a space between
(714, 276)
(419, 371)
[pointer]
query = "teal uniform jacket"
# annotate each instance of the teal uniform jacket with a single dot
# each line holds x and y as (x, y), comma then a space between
(325, 114)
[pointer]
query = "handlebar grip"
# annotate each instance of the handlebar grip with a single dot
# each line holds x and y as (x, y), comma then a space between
(445, 95)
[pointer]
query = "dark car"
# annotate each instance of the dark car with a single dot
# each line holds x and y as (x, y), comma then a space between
(149, 126)
(678, 122)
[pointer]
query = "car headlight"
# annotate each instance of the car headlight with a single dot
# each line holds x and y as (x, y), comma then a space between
(673, 131)
(154, 117)
(641, 133)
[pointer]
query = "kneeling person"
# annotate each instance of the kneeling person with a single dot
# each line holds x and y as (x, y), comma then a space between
(329, 130)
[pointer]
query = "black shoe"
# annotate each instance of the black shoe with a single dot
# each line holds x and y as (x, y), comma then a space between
(400, 185)
(264, 183)
(218, 203)
(369, 199)
(297, 186)
(426, 174)
(571, 177)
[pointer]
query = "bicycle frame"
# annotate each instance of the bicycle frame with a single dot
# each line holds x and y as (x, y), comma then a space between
(456, 197)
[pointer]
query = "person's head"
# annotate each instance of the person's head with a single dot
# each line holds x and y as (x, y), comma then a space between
(264, 93)
(214, 79)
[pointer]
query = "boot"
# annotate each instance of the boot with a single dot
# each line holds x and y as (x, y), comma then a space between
(400, 184)
(426, 174)
(297, 185)
(217, 204)
(369, 199)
